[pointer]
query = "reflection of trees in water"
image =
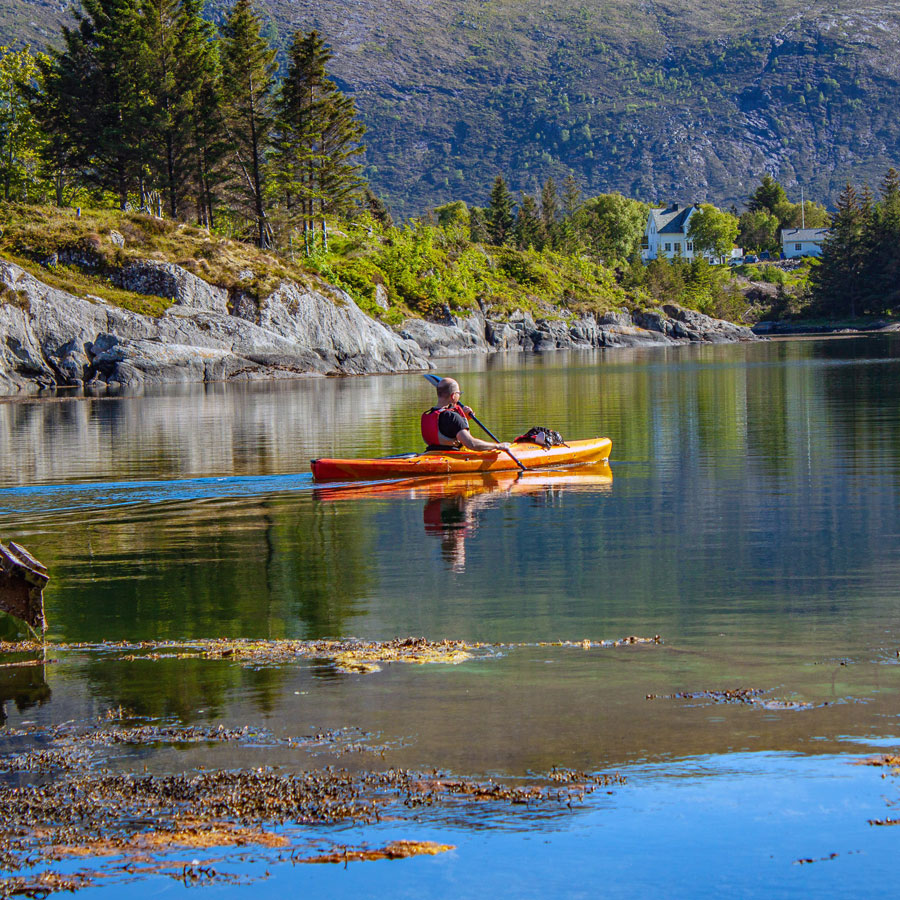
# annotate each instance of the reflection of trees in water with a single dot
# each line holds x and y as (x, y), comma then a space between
(273, 568)
(179, 688)
(283, 567)
(24, 685)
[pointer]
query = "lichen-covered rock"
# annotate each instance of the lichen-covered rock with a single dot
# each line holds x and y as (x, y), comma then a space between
(49, 337)
(171, 281)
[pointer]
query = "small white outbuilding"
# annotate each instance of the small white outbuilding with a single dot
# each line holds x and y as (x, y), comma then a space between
(796, 242)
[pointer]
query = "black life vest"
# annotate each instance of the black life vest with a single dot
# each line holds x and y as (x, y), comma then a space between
(430, 431)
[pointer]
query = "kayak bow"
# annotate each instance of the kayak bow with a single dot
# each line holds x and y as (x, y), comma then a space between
(449, 462)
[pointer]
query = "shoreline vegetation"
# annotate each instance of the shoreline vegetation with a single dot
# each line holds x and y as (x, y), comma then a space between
(211, 152)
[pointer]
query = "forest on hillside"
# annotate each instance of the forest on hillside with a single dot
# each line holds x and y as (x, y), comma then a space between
(148, 105)
(666, 102)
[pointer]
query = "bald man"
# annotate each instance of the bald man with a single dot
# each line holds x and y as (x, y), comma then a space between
(446, 426)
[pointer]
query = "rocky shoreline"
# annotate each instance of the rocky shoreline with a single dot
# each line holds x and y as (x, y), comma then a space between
(50, 338)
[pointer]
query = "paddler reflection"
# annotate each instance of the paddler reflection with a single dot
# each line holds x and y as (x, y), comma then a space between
(453, 503)
(453, 518)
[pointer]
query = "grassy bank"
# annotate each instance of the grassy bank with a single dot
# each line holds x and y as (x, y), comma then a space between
(417, 270)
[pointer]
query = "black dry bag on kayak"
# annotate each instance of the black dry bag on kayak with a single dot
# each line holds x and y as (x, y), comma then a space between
(546, 437)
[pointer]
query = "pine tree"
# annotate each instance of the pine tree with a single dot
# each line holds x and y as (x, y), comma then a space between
(529, 227)
(837, 280)
(200, 91)
(318, 137)
(248, 79)
(500, 212)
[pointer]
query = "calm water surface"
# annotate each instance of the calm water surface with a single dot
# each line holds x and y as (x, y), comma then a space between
(750, 517)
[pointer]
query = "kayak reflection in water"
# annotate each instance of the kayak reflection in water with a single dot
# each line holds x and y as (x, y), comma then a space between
(453, 503)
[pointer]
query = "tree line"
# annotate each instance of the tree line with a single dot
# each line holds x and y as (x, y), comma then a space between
(859, 272)
(147, 103)
(147, 100)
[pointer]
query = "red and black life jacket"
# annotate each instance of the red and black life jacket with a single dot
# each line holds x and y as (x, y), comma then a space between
(430, 431)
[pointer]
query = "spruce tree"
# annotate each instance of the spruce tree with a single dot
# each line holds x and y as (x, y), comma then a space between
(569, 239)
(770, 195)
(200, 92)
(550, 210)
(529, 227)
(248, 81)
(159, 24)
(500, 212)
(318, 137)
(837, 280)
(883, 269)
(96, 105)
(378, 208)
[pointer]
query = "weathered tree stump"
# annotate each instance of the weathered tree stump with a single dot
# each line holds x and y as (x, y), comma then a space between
(22, 582)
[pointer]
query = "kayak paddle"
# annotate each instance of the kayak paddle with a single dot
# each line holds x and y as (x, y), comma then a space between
(435, 380)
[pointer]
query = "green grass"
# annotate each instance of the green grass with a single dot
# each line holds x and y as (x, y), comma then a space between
(31, 235)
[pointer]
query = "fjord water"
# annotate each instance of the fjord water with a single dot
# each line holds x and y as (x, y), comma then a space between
(750, 517)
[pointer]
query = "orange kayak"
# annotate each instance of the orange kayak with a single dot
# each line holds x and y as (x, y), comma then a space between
(452, 462)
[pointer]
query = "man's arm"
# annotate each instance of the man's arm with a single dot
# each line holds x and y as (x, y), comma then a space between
(466, 438)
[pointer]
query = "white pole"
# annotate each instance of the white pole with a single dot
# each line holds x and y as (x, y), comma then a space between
(802, 211)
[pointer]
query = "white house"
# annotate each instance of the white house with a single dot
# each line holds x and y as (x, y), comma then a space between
(802, 241)
(666, 234)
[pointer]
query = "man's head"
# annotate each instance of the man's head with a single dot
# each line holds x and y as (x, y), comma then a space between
(446, 388)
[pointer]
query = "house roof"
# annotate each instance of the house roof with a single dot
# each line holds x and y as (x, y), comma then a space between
(672, 219)
(815, 235)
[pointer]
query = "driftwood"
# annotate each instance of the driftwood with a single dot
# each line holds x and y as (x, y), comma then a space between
(22, 582)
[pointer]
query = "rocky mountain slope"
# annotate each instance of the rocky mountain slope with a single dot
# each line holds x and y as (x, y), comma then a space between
(658, 100)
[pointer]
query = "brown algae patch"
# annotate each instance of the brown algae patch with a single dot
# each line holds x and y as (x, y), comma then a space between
(42, 884)
(394, 850)
(737, 696)
(183, 835)
(588, 644)
(885, 759)
(348, 656)
(75, 809)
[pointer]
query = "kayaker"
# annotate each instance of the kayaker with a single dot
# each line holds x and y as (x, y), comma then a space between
(447, 424)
